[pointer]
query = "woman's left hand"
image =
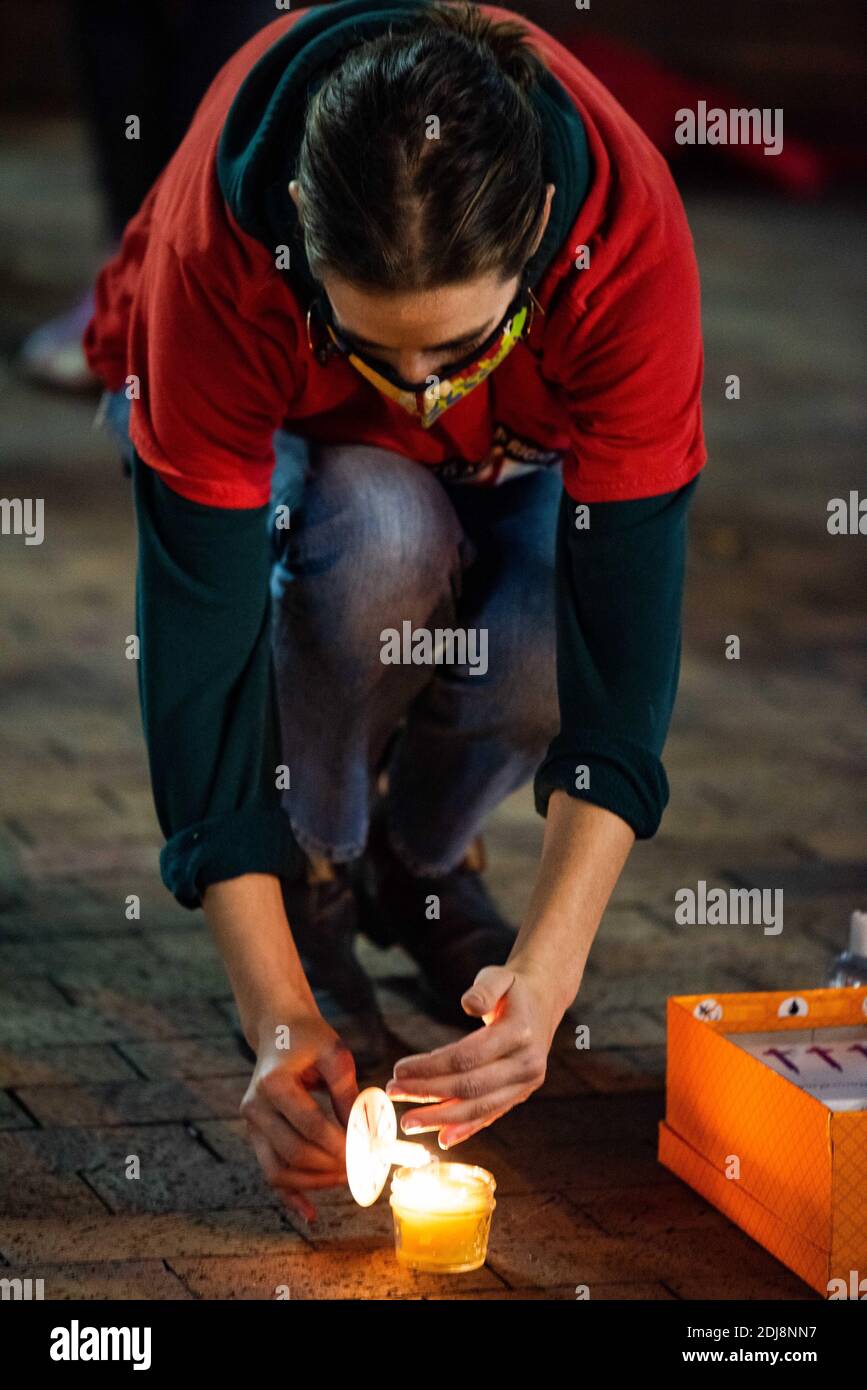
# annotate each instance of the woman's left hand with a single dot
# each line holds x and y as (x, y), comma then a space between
(469, 1084)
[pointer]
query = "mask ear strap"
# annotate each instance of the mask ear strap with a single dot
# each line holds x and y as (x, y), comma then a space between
(525, 288)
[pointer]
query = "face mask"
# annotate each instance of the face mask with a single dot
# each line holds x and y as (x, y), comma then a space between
(427, 401)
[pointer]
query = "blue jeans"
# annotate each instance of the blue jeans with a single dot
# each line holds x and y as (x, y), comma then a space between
(376, 541)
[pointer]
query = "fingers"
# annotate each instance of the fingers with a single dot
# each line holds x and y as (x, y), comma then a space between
(310, 1120)
(466, 1085)
(291, 1148)
(280, 1089)
(450, 1135)
(337, 1070)
(486, 993)
(300, 1146)
(456, 1086)
(475, 1050)
(464, 1112)
(271, 1167)
(280, 1173)
(300, 1205)
(417, 1073)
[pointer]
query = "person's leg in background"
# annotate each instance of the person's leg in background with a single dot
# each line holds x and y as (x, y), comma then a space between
(153, 61)
(114, 411)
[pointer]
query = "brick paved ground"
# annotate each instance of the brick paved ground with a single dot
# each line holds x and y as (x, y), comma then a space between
(119, 1037)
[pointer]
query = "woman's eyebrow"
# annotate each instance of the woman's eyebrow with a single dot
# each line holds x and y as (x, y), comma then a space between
(435, 347)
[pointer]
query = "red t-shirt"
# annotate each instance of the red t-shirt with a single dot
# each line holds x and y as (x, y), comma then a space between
(609, 378)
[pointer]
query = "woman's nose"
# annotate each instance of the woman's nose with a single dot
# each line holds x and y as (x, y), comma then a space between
(415, 367)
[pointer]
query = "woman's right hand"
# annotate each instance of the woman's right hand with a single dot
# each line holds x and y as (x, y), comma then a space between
(299, 1145)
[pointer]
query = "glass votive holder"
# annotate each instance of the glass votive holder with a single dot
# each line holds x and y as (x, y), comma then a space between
(442, 1216)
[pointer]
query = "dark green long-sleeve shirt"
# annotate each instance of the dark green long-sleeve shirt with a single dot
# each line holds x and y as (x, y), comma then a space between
(619, 598)
(207, 691)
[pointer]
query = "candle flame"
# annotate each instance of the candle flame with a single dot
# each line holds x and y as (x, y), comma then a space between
(409, 1155)
(452, 1187)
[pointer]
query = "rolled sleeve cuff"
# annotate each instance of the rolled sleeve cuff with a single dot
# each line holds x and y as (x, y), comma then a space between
(622, 777)
(256, 839)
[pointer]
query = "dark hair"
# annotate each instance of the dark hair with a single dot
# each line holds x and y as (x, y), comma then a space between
(387, 206)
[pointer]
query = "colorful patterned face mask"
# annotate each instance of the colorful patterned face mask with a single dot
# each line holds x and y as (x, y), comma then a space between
(428, 400)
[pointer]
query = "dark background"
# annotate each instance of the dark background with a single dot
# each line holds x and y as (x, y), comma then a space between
(809, 57)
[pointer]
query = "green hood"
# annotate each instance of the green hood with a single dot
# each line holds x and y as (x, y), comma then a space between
(258, 148)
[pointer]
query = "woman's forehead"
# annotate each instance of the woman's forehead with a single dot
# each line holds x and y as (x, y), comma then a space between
(425, 319)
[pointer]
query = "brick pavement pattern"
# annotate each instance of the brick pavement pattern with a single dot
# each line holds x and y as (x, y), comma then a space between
(119, 1037)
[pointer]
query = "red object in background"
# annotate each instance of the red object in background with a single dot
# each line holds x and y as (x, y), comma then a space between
(652, 94)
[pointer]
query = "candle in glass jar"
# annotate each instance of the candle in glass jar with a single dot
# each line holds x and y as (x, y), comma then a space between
(442, 1216)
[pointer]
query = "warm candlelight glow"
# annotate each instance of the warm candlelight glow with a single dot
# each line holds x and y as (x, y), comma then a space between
(442, 1216)
(409, 1155)
(442, 1211)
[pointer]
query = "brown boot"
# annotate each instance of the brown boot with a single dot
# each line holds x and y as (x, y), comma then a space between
(449, 925)
(322, 915)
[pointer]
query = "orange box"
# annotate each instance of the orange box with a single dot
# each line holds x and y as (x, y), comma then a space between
(802, 1185)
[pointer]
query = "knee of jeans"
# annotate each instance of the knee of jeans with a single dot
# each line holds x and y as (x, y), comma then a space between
(522, 662)
(394, 518)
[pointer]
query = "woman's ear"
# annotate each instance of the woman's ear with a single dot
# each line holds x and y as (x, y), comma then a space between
(295, 194)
